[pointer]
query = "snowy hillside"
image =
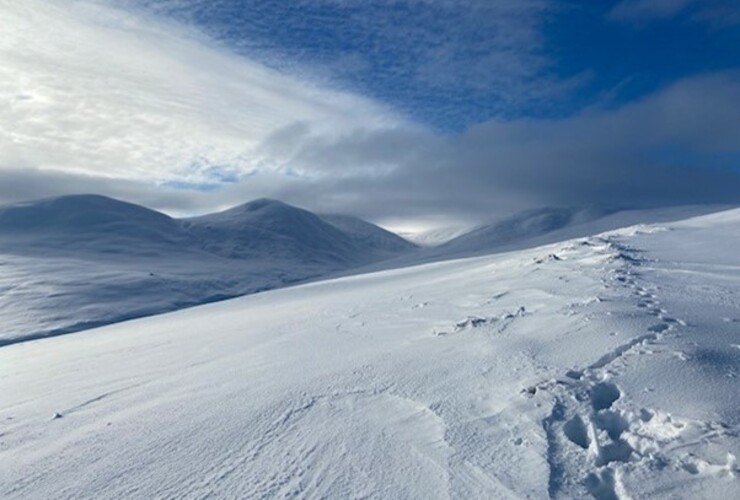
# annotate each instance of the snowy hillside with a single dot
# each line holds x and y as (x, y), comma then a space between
(547, 225)
(270, 227)
(604, 366)
(74, 262)
(370, 236)
(87, 223)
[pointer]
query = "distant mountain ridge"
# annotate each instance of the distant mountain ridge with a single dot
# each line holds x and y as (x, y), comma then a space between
(89, 221)
(521, 227)
(261, 228)
(75, 262)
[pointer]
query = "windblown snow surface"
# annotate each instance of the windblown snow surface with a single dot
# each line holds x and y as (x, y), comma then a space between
(602, 366)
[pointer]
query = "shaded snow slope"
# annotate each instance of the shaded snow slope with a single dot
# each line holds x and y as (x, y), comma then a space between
(601, 367)
(87, 223)
(270, 227)
(547, 225)
(370, 236)
(75, 262)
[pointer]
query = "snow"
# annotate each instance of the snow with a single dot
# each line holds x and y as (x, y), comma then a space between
(436, 236)
(548, 225)
(75, 262)
(600, 366)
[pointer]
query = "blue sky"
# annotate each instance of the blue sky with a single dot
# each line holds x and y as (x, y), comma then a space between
(411, 113)
(451, 64)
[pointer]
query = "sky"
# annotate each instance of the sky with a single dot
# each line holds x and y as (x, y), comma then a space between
(414, 114)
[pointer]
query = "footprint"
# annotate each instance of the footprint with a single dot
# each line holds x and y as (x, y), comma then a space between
(659, 328)
(617, 451)
(575, 430)
(611, 422)
(603, 395)
(602, 485)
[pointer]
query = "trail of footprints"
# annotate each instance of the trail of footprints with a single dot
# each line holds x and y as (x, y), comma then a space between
(593, 440)
(590, 443)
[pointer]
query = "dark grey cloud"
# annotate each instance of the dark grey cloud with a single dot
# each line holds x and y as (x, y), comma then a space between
(679, 146)
(676, 147)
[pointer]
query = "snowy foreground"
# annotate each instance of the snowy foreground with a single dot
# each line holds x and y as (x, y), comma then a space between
(603, 366)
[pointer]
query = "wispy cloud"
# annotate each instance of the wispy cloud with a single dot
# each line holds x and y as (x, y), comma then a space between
(96, 90)
(446, 62)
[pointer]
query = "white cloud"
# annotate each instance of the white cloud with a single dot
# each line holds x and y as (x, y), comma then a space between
(88, 88)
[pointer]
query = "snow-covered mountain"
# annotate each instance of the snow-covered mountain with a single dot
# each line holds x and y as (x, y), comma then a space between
(547, 225)
(521, 227)
(270, 227)
(370, 236)
(88, 224)
(78, 261)
(604, 366)
(75, 262)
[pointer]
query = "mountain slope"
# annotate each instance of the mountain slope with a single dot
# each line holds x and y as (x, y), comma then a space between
(76, 262)
(520, 227)
(599, 367)
(88, 223)
(548, 225)
(370, 236)
(269, 227)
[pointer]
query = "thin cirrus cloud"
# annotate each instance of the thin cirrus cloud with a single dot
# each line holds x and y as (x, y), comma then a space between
(448, 63)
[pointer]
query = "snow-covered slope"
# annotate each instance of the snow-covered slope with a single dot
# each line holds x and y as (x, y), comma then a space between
(437, 236)
(520, 227)
(88, 224)
(74, 262)
(270, 227)
(370, 236)
(547, 225)
(604, 366)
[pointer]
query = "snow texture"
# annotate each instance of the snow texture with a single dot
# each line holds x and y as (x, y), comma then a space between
(603, 366)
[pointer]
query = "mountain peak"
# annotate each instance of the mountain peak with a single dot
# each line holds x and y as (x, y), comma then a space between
(77, 212)
(264, 203)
